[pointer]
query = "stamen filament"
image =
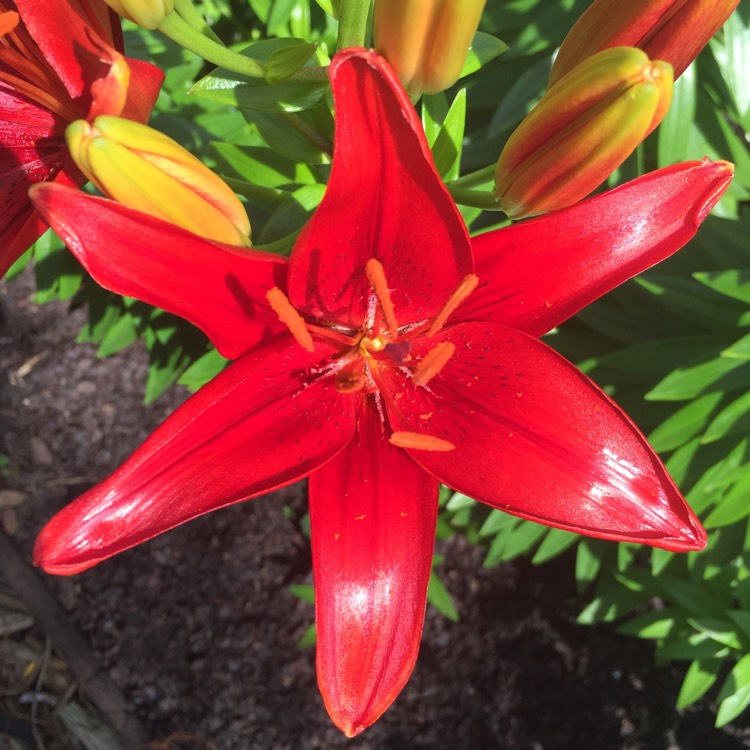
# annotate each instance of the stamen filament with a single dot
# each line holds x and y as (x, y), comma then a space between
(376, 276)
(433, 362)
(289, 316)
(420, 441)
(465, 288)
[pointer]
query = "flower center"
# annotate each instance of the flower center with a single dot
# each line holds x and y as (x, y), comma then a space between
(26, 70)
(380, 343)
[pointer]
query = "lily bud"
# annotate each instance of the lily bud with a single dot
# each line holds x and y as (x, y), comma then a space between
(583, 128)
(426, 41)
(145, 170)
(671, 30)
(146, 13)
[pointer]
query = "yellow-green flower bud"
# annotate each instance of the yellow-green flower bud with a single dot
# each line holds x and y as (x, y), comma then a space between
(426, 41)
(149, 172)
(146, 13)
(583, 128)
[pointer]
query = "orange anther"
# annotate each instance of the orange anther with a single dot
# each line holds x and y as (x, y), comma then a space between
(289, 316)
(376, 276)
(420, 441)
(465, 288)
(8, 22)
(433, 362)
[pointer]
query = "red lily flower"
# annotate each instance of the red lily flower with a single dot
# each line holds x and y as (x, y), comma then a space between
(58, 63)
(390, 353)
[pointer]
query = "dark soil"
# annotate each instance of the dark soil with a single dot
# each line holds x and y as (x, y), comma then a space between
(199, 630)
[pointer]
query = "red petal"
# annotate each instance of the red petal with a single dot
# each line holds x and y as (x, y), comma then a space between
(534, 437)
(219, 288)
(384, 200)
(32, 149)
(260, 424)
(372, 514)
(69, 36)
(536, 274)
(143, 90)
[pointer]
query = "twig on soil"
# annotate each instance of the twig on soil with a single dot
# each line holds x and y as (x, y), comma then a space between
(71, 645)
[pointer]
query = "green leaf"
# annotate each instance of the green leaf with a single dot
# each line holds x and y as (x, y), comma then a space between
(739, 350)
(554, 543)
(309, 637)
(202, 370)
(123, 333)
(292, 214)
(674, 139)
(484, 47)
(284, 63)
(588, 562)
(255, 94)
(689, 596)
(58, 274)
(303, 591)
(650, 625)
(264, 167)
(284, 135)
(734, 506)
(458, 501)
(734, 693)
(446, 150)
(700, 676)
(721, 631)
(711, 375)
(695, 646)
(512, 542)
(734, 284)
(495, 522)
(685, 423)
(732, 420)
(440, 598)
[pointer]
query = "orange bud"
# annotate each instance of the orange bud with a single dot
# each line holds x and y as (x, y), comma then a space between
(148, 171)
(671, 30)
(146, 13)
(583, 128)
(426, 41)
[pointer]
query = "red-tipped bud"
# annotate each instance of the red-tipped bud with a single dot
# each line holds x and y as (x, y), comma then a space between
(584, 127)
(671, 30)
(148, 171)
(426, 41)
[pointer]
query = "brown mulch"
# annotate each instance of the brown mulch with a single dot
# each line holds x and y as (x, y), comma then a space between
(199, 630)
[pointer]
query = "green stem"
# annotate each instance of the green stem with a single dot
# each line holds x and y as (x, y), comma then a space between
(180, 31)
(476, 198)
(485, 174)
(194, 19)
(353, 23)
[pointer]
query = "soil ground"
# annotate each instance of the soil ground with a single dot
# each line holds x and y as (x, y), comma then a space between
(199, 630)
